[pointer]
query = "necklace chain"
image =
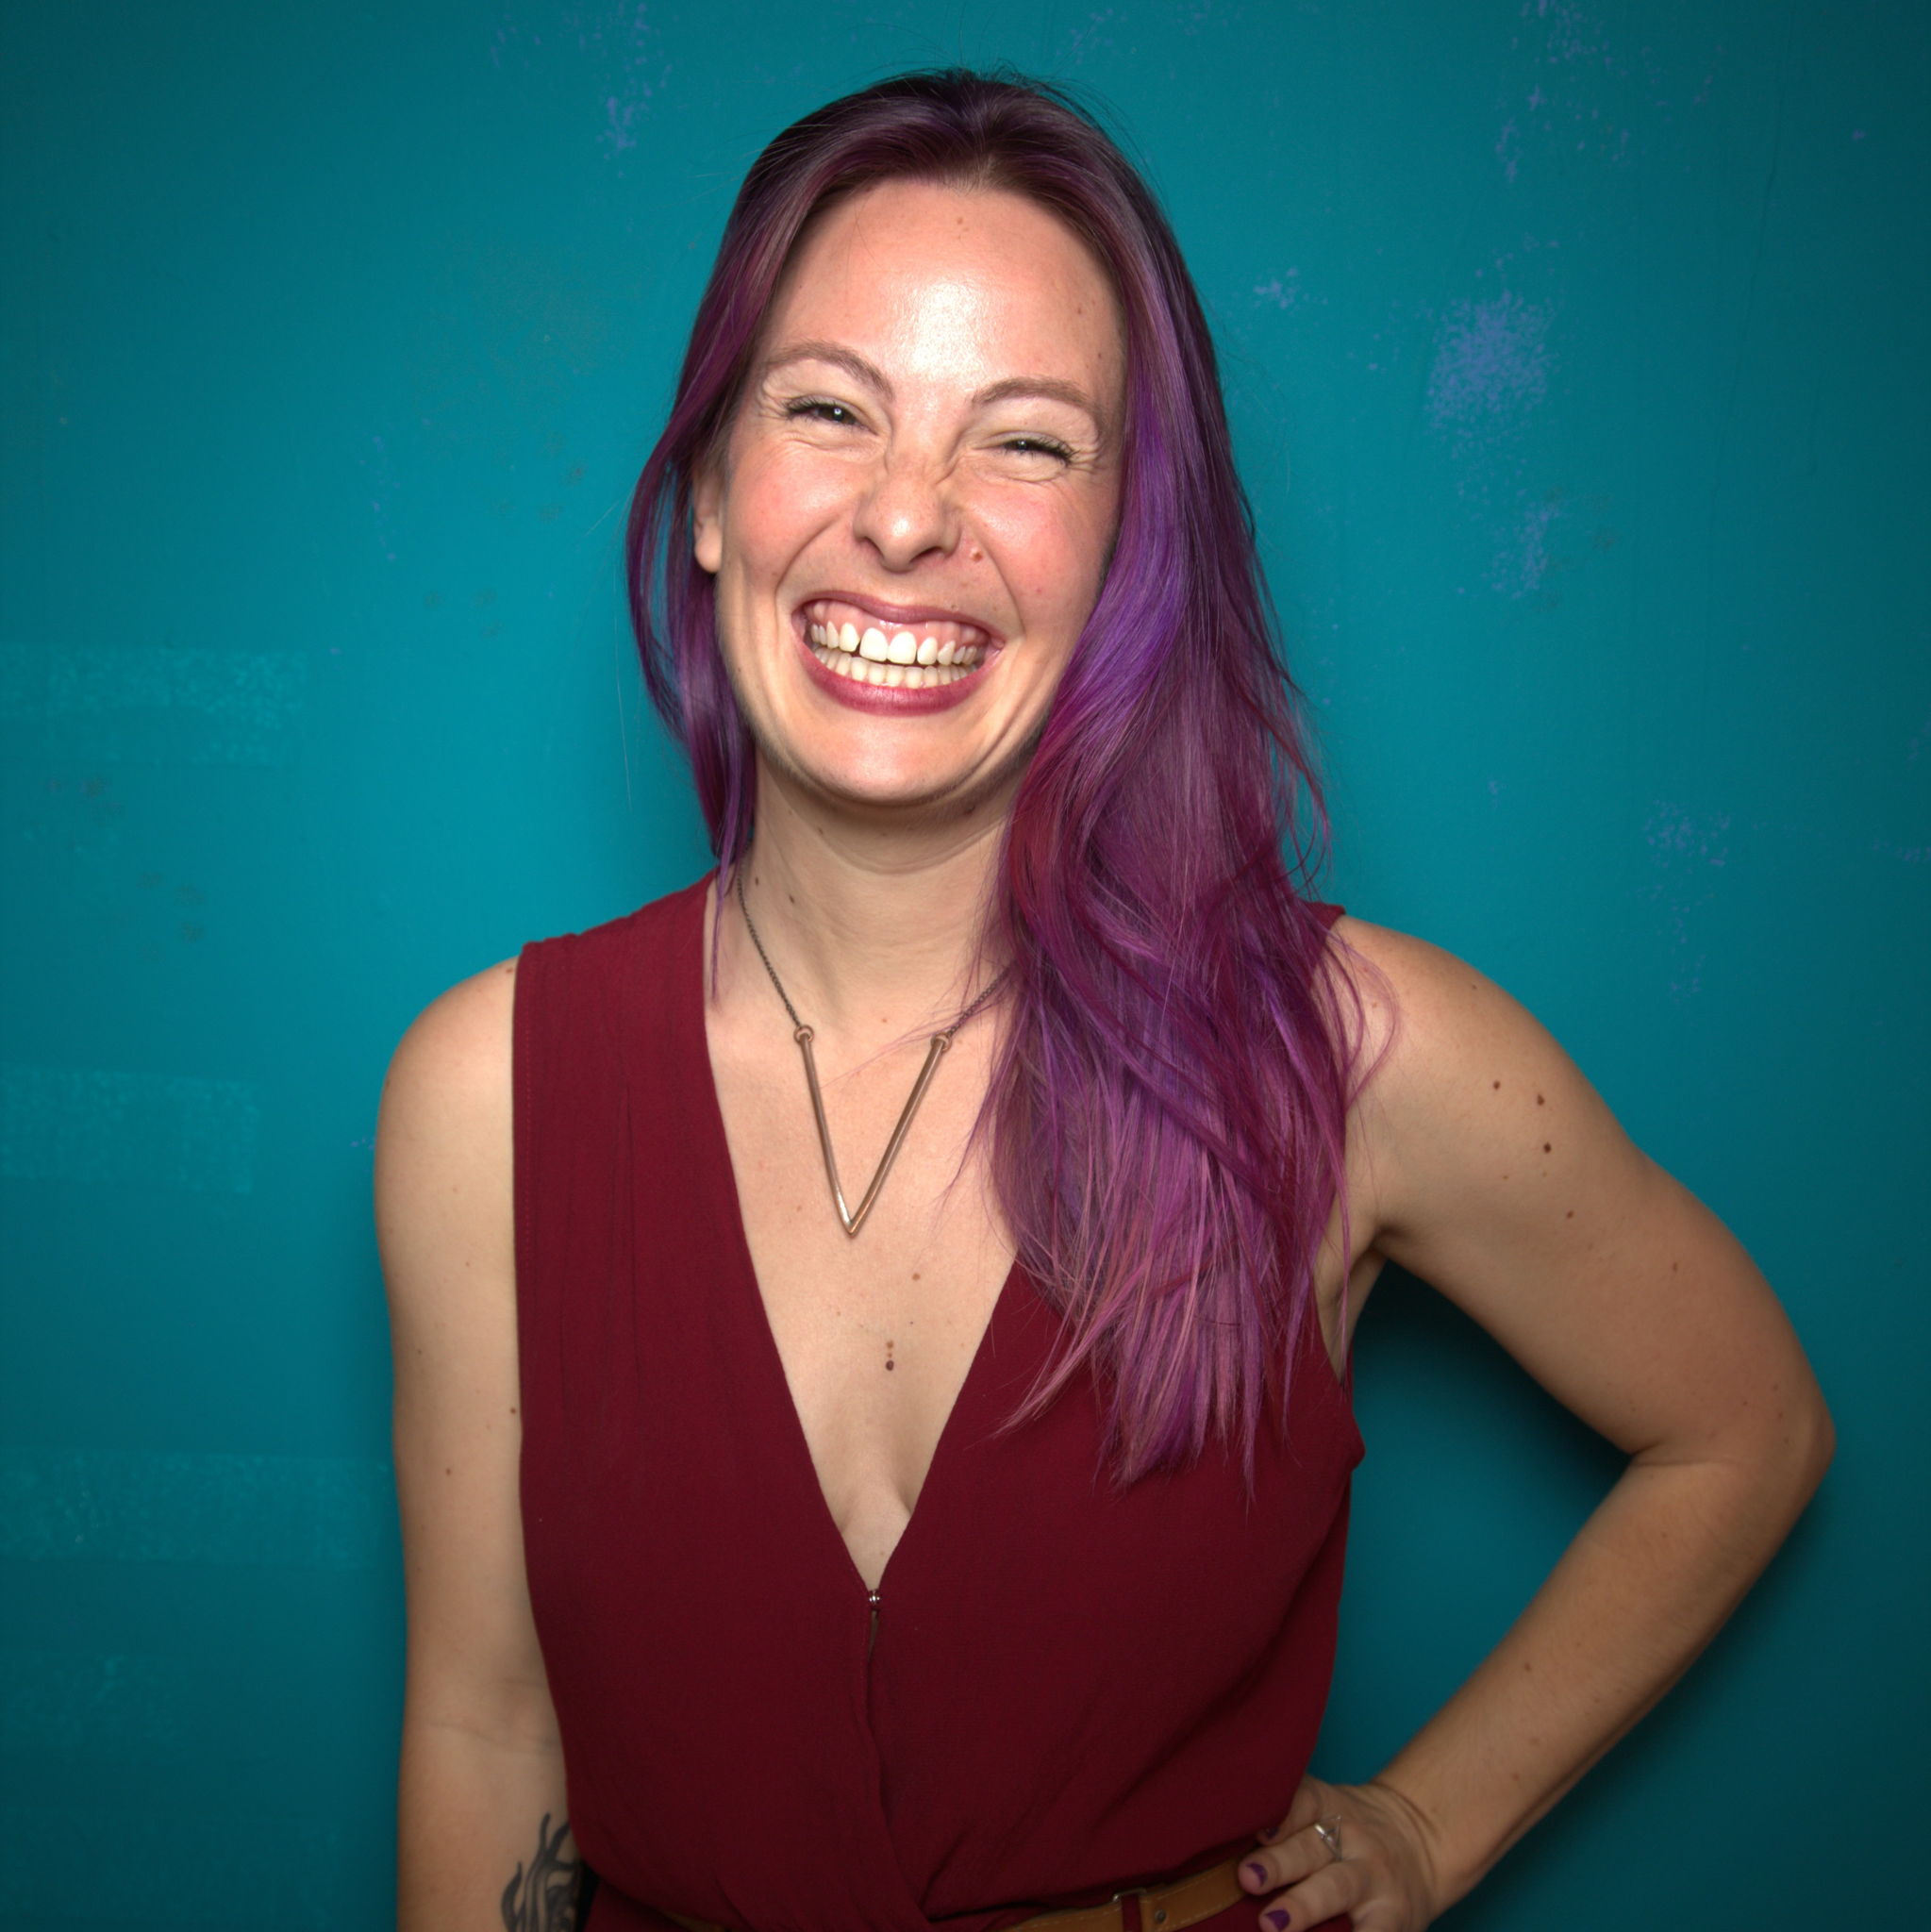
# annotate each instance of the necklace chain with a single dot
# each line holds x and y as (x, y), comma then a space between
(853, 1219)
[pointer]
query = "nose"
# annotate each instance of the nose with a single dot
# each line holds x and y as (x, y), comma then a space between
(909, 511)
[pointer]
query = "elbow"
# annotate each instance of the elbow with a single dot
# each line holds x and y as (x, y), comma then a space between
(1818, 1445)
(1794, 1462)
(1776, 1464)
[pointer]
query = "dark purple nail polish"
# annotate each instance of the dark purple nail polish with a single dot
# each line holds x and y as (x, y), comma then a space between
(1277, 1919)
(1257, 1872)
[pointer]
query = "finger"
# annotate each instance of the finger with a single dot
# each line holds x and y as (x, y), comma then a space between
(1286, 1862)
(1337, 1888)
(1310, 1800)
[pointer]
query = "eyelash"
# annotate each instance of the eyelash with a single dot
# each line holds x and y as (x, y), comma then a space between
(1046, 444)
(824, 408)
(809, 406)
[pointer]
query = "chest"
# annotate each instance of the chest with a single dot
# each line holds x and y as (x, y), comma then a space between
(875, 1332)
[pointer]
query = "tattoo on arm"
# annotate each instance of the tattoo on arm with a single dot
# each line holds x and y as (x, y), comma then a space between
(548, 1897)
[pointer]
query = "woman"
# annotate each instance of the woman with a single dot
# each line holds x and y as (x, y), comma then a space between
(917, 1266)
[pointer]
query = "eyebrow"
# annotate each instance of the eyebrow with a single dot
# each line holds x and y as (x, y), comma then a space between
(856, 366)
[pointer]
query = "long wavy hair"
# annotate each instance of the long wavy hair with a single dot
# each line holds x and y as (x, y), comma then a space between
(1166, 1115)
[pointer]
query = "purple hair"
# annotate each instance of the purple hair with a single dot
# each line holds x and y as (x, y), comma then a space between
(1165, 1117)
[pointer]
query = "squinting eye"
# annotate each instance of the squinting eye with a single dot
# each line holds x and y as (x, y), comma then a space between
(835, 414)
(1039, 446)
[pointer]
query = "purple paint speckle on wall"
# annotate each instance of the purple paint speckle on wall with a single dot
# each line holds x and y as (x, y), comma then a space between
(617, 123)
(1575, 101)
(1491, 365)
(1523, 562)
(1092, 36)
(1572, 34)
(1285, 290)
(1676, 836)
(1685, 847)
(621, 45)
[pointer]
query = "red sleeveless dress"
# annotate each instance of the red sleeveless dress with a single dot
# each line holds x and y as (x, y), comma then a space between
(1069, 1689)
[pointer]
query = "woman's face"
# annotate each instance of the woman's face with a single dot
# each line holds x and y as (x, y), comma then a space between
(924, 466)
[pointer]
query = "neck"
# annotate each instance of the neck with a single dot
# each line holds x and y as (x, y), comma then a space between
(873, 928)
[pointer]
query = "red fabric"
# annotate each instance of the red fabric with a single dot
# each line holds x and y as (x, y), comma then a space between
(1071, 1690)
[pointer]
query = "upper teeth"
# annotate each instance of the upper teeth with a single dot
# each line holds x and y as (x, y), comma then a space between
(903, 647)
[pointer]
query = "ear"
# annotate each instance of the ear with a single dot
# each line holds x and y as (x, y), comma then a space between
(707, 520)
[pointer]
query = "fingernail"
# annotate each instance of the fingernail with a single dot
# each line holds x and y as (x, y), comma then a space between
(1257, 1872)
(1268, 1833)
(1277, 1919)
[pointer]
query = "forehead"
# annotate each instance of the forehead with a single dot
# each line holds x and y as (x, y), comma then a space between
(945, 279)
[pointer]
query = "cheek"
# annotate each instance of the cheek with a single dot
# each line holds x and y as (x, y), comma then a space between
(1052, 553)
(779, 502)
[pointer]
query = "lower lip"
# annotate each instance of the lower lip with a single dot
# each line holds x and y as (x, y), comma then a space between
(882, 699)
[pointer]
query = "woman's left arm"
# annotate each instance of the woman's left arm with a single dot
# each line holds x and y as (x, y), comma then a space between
(1495, 1172)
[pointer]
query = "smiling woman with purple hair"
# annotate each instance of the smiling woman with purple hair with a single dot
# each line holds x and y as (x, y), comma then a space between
(873, 1328)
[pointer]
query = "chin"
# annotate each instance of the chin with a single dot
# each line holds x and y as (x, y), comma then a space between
(914, 797)
(884, 789)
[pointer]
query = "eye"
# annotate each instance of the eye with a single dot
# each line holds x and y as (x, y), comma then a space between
(1037, 446)
(822, 409)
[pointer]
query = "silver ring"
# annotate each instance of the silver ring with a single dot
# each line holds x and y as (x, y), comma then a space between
(1329, 1830)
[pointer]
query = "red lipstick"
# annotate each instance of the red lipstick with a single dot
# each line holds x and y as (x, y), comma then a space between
(882, 700)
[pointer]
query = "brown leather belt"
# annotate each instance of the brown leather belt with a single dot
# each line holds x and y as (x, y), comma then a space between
(1162, 1907)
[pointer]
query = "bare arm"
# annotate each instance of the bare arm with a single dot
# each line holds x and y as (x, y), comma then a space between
(484, 1841)
(1495, 1172)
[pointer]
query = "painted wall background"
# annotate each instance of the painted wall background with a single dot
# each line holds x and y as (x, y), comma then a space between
(1575, 352)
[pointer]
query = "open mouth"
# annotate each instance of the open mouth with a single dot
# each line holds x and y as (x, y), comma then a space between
(852, 642)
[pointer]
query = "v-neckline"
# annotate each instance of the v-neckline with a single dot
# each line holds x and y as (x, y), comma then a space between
(693, 989)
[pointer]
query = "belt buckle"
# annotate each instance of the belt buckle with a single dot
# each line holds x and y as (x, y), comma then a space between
(1148, 1920)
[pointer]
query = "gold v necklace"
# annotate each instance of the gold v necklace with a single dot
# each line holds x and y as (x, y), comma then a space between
(851, 1220)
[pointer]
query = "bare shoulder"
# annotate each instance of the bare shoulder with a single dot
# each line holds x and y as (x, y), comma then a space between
(1422, 1006)
(458, 1049)
(1440, 1034)
(1471, 1099)
(443, 1145)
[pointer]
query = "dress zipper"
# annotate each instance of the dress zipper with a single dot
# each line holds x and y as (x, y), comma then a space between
(872, 1639)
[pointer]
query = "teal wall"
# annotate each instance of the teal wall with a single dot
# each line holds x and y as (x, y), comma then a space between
(1575, 349)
